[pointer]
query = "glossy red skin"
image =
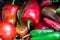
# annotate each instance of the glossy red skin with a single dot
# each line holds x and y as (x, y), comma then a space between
(31, 12)
(53, 24)
(41, 25)
(9, 13)
(7, 31)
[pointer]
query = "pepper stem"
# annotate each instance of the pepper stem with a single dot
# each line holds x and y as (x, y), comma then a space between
(28, 24)
(26, 36)
(13, 2)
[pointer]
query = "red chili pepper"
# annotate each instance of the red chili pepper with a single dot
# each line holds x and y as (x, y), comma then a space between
(9, 12)
(52, 23)
(41, 25)
(31, 13)
(45, 3)
(48, 2)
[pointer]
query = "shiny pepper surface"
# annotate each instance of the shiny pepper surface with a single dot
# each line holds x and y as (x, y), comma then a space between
(31, 12)
(9, 13)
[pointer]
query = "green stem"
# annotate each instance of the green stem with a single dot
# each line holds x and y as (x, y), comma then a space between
(28, 24)
(13, 2)
(20, 13)
(26, 36)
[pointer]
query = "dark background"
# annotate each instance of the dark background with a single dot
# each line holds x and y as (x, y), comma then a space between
(18, 2)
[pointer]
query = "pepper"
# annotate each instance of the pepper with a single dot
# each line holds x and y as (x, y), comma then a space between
(58, 10)
(31, 14)
(9, 12)
(27, 38)
(41, 32)
(21, 30)
(51, 36)
(48, 2)
(50, 13)
(41, 25)
(53, 24)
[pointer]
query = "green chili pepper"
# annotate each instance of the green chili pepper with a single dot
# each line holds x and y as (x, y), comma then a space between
(40, 32)
(52, 36)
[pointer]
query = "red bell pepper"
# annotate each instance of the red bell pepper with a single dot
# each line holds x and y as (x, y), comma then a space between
(41, 25)
(31, 13)
(9, 12)
(53, 24)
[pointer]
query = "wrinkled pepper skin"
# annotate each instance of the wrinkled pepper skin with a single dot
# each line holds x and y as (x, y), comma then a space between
(9, 13)
(50, 13)
(41, 25)
(38, 32)
(52, 36)
(21, 30)
(31, 12)
(53, 24)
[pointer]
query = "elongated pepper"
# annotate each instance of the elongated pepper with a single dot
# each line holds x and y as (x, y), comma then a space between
(53, 24)
(48, 2)
(9, 12)
(51, 36)
(38, 32)
(31, 13)
(50, 13)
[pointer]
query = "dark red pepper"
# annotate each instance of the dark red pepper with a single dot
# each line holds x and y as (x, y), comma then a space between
(41, 25)
(48, 2)
(45, 3)
(9, 12)
(27, 38)
(53, 24)
(31, 13)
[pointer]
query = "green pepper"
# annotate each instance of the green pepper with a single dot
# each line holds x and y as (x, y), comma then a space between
(58, 10)
(52, 36)
(41, 32)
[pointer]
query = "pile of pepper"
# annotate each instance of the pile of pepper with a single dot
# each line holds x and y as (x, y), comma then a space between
(33, 20)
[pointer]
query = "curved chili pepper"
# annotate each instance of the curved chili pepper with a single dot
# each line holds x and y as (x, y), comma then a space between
(52, 23)
(31, 14)
(38, 32)
(50, 13)
(51, 36)
(9, 12)
(48, 2)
